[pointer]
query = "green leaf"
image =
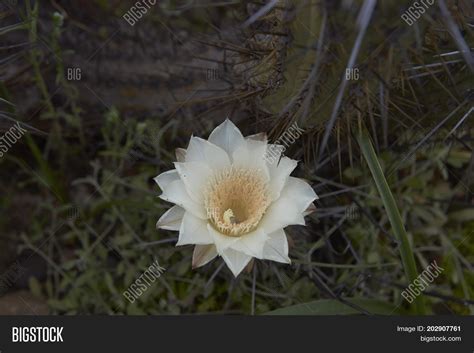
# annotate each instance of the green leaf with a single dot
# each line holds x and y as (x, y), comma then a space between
(398, 228)
(336, 307)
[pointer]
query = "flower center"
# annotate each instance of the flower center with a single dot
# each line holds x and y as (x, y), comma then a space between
(236, 200)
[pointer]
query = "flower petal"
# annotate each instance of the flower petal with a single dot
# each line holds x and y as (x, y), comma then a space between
(194, 176)
(200, 150)
(166, 178)
(288, 209)
(281, 213)
(235, 260)
(203, 254)
(252, 243)
(175, 192)
(171, 219)
(300, 192)
(227, 136)
(251, 155)
(273, 154)
(276, 248)
(180, 154)
(221, 241)
(279, 174)
(193, 231)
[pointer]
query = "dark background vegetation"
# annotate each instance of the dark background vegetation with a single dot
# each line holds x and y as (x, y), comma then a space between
(78, 205)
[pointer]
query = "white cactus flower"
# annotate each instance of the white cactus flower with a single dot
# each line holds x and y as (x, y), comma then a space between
(231, 200)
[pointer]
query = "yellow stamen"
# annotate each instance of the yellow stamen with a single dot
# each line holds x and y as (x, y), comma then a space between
(229, 217)
(238, 198)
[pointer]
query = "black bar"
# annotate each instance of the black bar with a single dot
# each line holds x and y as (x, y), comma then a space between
(249, 334)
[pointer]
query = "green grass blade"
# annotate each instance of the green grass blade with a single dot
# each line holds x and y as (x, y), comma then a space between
(393, 213)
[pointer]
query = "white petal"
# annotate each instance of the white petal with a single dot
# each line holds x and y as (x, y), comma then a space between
(251, 155)
(166, 178)
(200, 150)
(195, 176)
(221, 241)
(276, 248)
(252, 243)
(203, 254)
(175, 192)
(281, 213)
(300, 192)
(273, 154)
(294, 200)
(235, 260)
(227, 136)
(193, 231)
(171, 219)
(180, 154)
(279, 174)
